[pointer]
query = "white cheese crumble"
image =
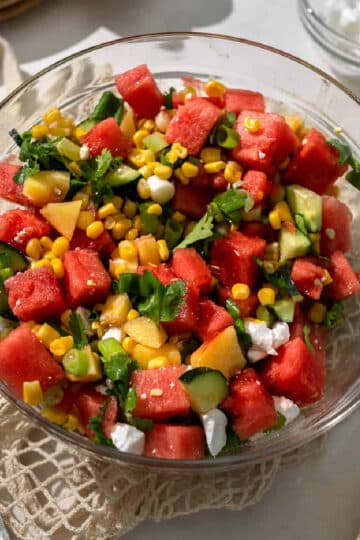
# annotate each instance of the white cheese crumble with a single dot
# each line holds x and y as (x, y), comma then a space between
(343, 16)
(84, 152)
(266, 340)
(84, 316)
(127, 438)
(286, 407)
(161, 191)
(330, 233)
(215, 422)
(115, 333)
(261, 155)
(102, 389)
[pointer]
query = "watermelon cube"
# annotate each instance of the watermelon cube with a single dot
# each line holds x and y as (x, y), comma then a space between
(336, 226)
(88, 403)
(35, 294)
(138, 87)
(187, 318)
(9, 189)
(295, 372)
(316, 164)
(237, 100)
(103, 244)
(191, 200)
(86, 281)
(23, 358)
(106, 135)
(175, 442)
(300, 319)
(232, 258)
(265, 149)
(212, 319)
(189, 266)
(173, 400)
(345, 281)
(249, 405)
(17, 227)
(162, 272)
(247, 307)
(308, 277)
(192, 124)
(257, 184)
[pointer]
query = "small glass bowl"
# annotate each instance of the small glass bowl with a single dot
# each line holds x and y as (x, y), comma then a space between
(290, 85)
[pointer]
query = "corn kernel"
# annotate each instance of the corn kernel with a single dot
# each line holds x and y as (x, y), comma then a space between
(46, 334)
(52, 115)
(214, 166)
(190, 170)
(109, 223)
(128, 344)
(66, 122)
(181, 176)
(139, 136)
(274, 220)
(60, 246)
(252, 124)
(106, 210)
(72, 423)
(65, 317)
(146, 171)
(155, 209)
(209, 155)
(143, 189)
(94, 230)
(118, 269)
(59, 131)
(79, 132)
(58, 267)
(120, 229)
(266, 296)
(127, 250)
(158, 362)
(54, 415)
(85, 219)
(33, 249)
(171, 157)
(130, 208)
(328, 279)
(233, 172)
(48, 255)
(163, 171)
(61, 345)
(32, 393)
(133, 314)
(163, 250)
(117, 201)
(46, 242)
(317, 313)
(41, 262)
(179, 150)
(272, 252)
(149, 125)
(240, 291)
(132, 234)
(214, 89)
(137, 223)
(40, 130)
(295, 123)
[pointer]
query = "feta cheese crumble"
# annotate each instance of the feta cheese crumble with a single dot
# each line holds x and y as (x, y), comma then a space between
(215, 422)
(287, 408)
(161, 191)
(84, 152)
(127, 438)
(115, 333)
(266, 340)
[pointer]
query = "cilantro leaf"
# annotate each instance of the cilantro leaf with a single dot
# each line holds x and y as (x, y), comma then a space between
(227, 206)
(232, 308)
(307, 331)
(78, 330)
(281, 421)
(203, 230)
(346, 156)
(244, 338)
(95, 424)
(280, 278)
(118, 367)
(173, 300)
(130, 402)
(94, 170)
(168, 102)
(143, 424)
(334, 315)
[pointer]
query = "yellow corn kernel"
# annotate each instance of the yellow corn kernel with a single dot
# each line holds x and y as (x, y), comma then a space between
(130, 208)
(147, 124)
(132, 234)
(209, 155)
(59, 131)
(133, 314)
(266, 296)
(295, 123)
(120, 229)
(272, 252)
(33, 249)
(127, 250)
(117, 201)
(48, 255)
(58, 267)
(118, 268)
(40, 130)
(240, 291)
(214, 166)
(179, 150)
(46, 242)
(78, 132)
(94, 230)
(328, 279)
(143, 189)
(181, 176)
(128, 344)
(146, 171)
(274, 220)
(32, 393)
(214, 89)
(252, 124)
(60, 246)
(139, 157)
(317, 313)
(54, 415)
(190, 170)
(163, 250)
(46, 334)
(171, 156)
(52, 115)
(65, 317)
(139, 136)
(233, 172)
(158, 362)
(61, 345)
(85, 219)
(109, 223)
(163, 171)
(106, 210)
(41, 262)
(155, 208)
(137, 223)
(178, 216)
(66, 122)
(72, 423)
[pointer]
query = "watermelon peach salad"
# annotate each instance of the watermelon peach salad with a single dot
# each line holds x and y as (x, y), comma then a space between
(167, 283)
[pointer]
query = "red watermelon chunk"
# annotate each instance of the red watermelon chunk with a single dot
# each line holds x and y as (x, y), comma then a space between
(106, 135)
(172, 402)
(345, 282)
(162, 272)
(308, 277)
(103, 244)
(187, 318)
(192, 124)
(336, 226)
(138, 87)
(247, 307)
(300, 319)
(9, 189)
(189, 266)
(175, 442)
(35, 294)
(23, 358)
(295, 372)
(212, 319)
(249, 405)
(232, 258)
(237, 100)
(268, 147)
(191, 200)
(88, 403)
(316, 164)
(257, 184)
(17, 227)
(86, 281)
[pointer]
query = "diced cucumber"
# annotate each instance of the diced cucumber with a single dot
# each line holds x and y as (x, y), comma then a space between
(12, 258)
(173, 232)
(293, 244)
(284, 310)
(69, 149)
(149, 222)
(252, 215)
(121, 176)
(205, 387)
(155, 142)
(87, 124)
(263, 314)
(307, 203)
(108, 106)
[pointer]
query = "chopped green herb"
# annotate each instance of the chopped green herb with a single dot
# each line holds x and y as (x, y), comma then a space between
(232, 308)
(95, 424)
(173, 232)
(307, 331)
(281, 421)
(108, 106)
(130, 402)
(78, 330)
(143, 424)
(94, 171)
(228, 206)
(346, 156)
(300, 224)
(168, 102)
(227, 137)
(244, 338)
(280, 278)
(203, 230)
(334, 315)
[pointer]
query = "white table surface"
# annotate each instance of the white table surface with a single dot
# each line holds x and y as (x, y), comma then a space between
(317, 500)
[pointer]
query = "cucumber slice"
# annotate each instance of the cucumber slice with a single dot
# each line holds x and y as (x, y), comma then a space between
(284, 310)
(68, 149)
(12, 258)
(263, 314)
(121, 176)
(149, 222)
(308, 203)
(155, 142)
(293, 244)
(87, 124)
(205, 387)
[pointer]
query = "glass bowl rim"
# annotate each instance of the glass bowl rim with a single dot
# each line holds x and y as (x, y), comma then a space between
(345, 406)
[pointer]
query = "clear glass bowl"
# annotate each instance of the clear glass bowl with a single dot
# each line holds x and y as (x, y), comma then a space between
(289, 84)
